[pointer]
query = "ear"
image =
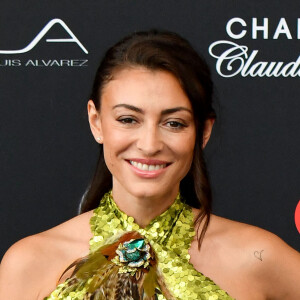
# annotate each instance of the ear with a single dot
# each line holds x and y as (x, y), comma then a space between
(208, 125)
(95, 121)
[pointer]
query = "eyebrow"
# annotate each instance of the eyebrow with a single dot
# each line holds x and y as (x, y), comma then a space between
(131, 107)
(164, 112)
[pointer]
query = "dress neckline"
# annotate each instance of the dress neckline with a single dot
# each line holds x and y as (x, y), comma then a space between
(158, 231)
(174, 209)
(169, 234)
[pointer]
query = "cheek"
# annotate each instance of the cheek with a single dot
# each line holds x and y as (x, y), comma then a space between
(188, 151)
(114, 143)
(184, 149)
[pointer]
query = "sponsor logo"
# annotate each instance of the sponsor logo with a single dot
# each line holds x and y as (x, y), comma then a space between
(44, 63)
(233, 59)
(16, 62)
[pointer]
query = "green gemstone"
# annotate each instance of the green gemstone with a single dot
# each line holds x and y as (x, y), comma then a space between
(133, 256)
(138, 243)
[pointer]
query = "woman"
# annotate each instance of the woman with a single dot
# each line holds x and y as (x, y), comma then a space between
(151, 112)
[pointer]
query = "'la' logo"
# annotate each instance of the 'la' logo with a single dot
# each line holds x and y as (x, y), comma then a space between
(41, 34)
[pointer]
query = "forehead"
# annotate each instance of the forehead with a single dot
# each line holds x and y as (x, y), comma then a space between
(143, 87)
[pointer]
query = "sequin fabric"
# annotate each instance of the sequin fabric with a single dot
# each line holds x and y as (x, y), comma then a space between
(170, 234)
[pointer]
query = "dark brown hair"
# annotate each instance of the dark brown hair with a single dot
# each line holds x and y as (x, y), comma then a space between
(161, 50)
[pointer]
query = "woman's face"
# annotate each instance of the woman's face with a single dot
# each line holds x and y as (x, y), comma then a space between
(147, 129)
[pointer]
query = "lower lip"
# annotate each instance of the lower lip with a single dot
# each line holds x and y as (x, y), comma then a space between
(147, 174)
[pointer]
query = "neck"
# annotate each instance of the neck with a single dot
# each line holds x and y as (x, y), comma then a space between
(143, 208)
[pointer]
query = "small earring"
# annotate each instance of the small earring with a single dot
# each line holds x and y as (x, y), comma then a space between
(98, 139)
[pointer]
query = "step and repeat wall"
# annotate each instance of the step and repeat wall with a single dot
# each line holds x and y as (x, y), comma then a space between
(49, 52)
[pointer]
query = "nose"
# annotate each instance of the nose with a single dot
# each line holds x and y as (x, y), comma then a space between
(149, 140)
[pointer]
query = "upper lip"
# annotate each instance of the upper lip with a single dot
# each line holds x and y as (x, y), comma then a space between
(150, 161)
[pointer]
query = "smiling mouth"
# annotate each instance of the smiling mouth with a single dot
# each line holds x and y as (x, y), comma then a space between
(147, 167)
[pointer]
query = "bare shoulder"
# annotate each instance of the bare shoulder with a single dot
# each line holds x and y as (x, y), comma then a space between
(265, 245)
(257, 255)
(25, 264)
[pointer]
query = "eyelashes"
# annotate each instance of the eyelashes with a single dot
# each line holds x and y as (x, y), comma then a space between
(127, 120)
(175, 125)
(172, 124)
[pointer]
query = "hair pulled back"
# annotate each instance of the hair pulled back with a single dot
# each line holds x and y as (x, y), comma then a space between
(167, 51)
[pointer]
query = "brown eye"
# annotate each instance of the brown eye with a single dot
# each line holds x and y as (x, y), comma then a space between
(127, 121)
(175, 125)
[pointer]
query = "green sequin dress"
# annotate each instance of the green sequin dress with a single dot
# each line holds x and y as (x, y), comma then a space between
(169, 234)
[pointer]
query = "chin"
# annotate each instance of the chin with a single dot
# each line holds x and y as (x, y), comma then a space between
(149, 191)
(140, 192)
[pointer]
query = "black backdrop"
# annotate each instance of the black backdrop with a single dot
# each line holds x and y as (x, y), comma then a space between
(48, 154)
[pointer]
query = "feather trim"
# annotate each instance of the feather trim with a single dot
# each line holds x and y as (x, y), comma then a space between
(123, 270)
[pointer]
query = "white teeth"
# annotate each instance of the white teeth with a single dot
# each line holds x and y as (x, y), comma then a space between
(151, 168)
(146, 167)
(134, 163)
